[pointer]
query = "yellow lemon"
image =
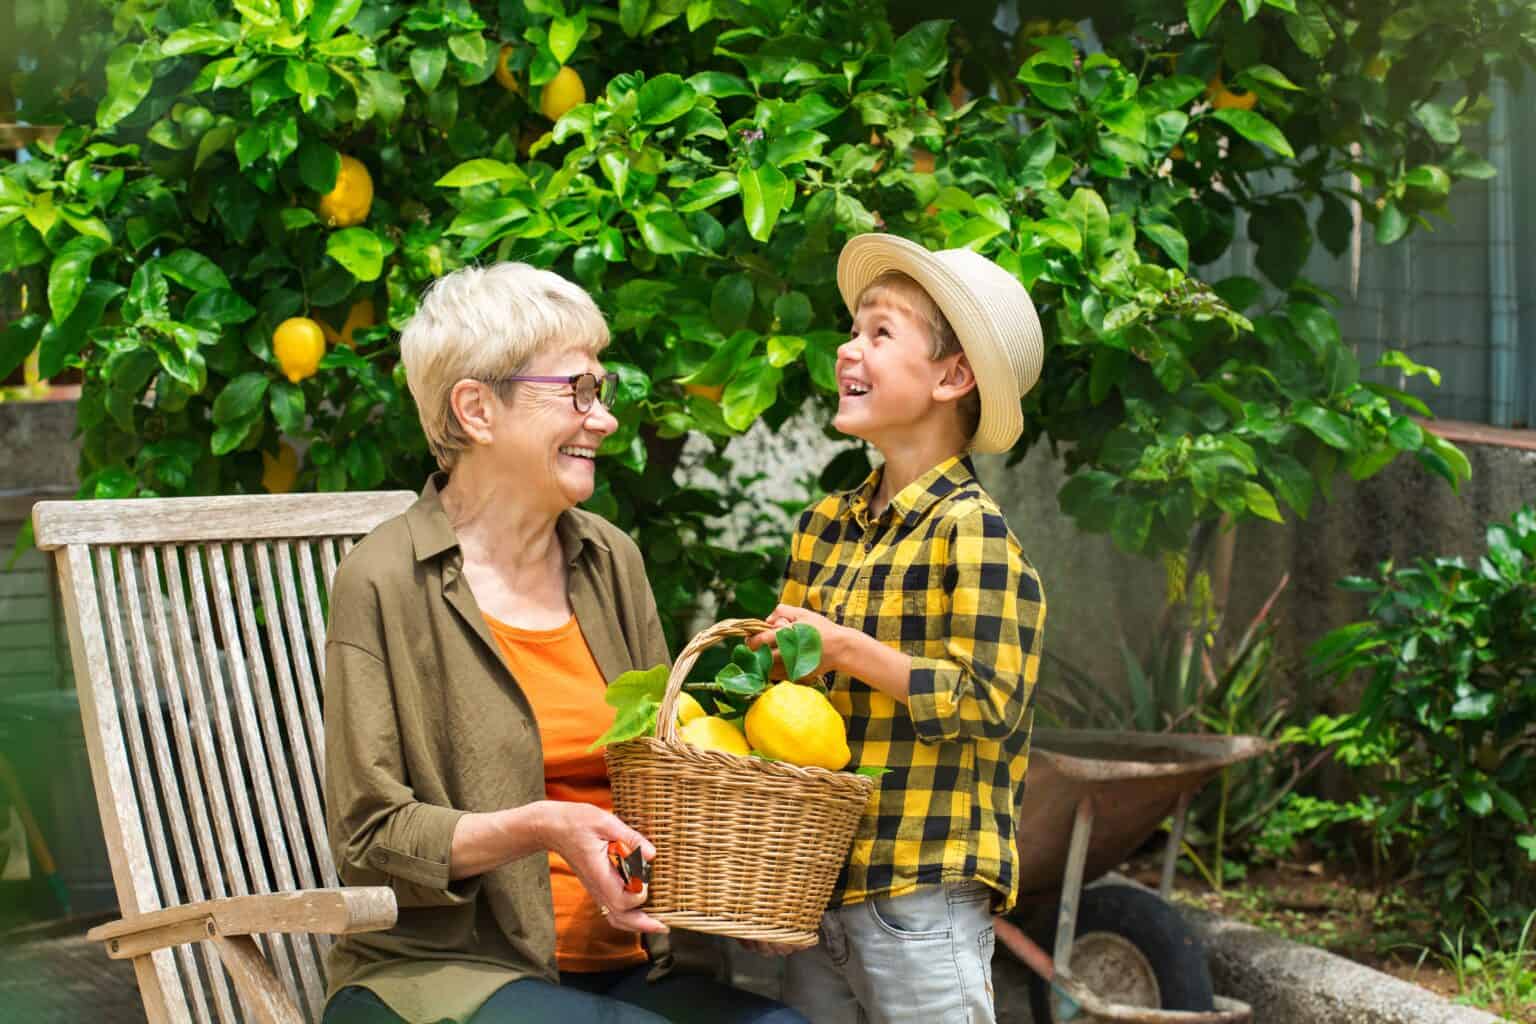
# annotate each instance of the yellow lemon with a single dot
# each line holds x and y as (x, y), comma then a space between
(563, 92)
(713, 392)
(504, 74)
(1223, 98)
(360, 317)
(688, 708)
(279, 474)
(298, 343)
(958, 93)
(348, 203)
(1024, 39)
(797, 723)
(710, 732)
(922, 160)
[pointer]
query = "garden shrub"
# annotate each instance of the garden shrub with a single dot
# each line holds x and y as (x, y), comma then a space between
(1448, 657)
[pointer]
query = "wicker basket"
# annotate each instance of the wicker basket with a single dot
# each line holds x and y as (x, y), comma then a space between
(744, 846)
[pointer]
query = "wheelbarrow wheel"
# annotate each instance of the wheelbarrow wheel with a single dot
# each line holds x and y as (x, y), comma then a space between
(1131, 947)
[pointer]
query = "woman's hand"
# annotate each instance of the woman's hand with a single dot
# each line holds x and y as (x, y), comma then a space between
(832, 635)
(581, 833)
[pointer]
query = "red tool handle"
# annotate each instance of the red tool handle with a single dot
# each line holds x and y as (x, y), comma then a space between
(630, 864)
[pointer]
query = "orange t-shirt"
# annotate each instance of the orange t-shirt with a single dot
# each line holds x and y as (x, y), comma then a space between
(562, 682)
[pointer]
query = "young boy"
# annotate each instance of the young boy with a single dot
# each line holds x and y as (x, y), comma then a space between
(930, 619)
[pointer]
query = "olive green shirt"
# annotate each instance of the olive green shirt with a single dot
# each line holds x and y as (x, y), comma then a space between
(424, 723)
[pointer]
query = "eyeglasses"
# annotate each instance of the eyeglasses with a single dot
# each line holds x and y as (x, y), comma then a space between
(585, 387)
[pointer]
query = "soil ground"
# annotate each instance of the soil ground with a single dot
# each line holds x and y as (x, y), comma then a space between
(1347, 916)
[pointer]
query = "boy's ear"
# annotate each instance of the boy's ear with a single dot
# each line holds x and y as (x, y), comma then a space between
(958, 381)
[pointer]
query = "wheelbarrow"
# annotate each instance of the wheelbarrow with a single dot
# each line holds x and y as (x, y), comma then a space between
(1120, 952)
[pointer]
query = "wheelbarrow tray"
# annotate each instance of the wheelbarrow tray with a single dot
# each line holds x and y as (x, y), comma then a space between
(1135, 781)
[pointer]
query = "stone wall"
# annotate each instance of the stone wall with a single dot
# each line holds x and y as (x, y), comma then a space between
(1098, 595)
(37, 460)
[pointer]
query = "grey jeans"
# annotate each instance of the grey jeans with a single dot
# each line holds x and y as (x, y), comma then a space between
(924, 956)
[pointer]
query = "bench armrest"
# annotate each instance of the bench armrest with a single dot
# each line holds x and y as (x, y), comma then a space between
(324, 911)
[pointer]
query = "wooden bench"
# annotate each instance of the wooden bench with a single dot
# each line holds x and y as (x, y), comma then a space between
(197, 635)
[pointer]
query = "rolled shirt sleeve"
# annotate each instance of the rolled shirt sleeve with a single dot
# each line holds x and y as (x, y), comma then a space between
(380, 833)
(993, 610)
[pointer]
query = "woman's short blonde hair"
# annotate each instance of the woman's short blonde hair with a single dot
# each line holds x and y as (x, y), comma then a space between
(485, 323)
(894, 286)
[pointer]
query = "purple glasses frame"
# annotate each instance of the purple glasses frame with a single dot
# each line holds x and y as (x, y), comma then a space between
(585, 387)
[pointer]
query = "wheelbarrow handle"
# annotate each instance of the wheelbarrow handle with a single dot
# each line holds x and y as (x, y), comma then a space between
(1076, 999)
(1039, 961)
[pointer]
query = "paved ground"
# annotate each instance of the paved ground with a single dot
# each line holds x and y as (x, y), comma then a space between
(51, 975)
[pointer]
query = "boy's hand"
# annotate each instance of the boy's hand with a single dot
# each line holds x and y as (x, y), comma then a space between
(844, 649)
(787, 615)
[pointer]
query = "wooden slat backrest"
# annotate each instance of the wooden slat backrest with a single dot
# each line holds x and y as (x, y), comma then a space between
(196, 628)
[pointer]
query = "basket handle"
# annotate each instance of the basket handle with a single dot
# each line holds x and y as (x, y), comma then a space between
(666, 715)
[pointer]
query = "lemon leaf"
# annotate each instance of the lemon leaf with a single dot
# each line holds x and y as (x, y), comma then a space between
(734, 679)
(870, 771)
(800, 647)
(629, 689)
(633, 720)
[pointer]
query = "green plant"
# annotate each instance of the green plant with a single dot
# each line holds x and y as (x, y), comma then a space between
(702, 195)
(1448, 656)
(1493, 974)
(1312, 818)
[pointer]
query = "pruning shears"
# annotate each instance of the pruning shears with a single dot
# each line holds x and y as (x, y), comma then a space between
(631, 865)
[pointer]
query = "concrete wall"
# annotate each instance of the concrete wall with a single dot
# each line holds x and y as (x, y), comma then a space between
(37, 460)
(1098, 595)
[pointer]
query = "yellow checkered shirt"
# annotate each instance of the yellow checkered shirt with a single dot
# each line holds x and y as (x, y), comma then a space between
(939, 576)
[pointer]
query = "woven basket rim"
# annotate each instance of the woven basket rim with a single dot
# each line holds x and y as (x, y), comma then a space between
(801, 773)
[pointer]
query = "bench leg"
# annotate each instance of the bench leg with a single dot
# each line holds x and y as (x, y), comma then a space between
(259, 988)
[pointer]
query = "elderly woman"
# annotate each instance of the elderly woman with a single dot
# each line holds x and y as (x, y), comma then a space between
(469, 644)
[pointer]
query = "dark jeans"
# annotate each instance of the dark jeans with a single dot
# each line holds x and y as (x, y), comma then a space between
(605, 997)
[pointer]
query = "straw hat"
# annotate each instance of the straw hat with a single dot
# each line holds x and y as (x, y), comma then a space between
(989, 309)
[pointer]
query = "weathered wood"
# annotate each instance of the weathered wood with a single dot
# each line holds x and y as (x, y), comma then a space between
(161, 767)
(122, 827)
(109, 578)
(197, 676)
(256, 765)
(341, 911)
(160, 602)
(166, 936)
(260, 991)
(187, 520)
(192, 787)
(295, 872)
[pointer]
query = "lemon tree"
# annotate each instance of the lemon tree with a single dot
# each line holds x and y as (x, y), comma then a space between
(223, 167)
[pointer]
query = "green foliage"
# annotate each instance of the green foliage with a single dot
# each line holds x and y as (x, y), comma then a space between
(1300, 817)
(636, 696)
(1492, 972)
(1448, 655)
(728, 150)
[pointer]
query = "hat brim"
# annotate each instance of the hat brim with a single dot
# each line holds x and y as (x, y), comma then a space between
(865, 257)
